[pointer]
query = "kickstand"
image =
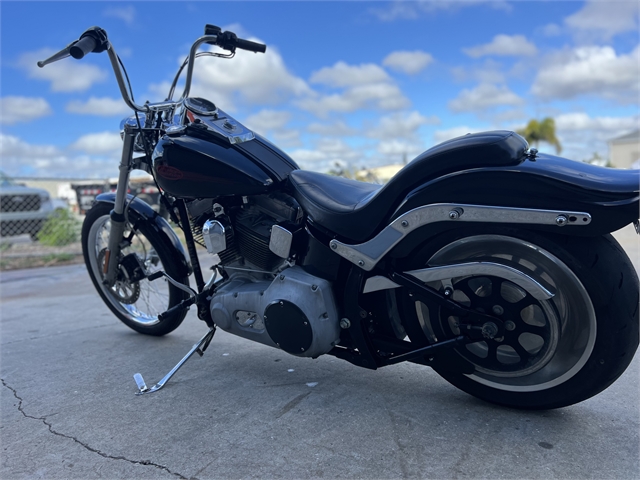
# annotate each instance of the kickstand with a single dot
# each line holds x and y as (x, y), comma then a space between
(198, 348)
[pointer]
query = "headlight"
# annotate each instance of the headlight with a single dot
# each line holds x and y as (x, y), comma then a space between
(132, 122)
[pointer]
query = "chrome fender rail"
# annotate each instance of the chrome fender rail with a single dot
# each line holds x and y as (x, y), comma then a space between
(367, 255)
(447, 272)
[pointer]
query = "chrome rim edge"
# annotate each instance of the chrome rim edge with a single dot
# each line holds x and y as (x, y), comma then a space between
(133, 313)
(570, 310)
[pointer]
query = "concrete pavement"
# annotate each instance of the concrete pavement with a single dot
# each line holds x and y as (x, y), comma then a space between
(68, 407)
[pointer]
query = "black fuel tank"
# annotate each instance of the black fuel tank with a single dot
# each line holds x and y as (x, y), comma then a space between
(200, 165)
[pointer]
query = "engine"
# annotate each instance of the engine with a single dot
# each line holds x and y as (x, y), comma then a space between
(242, 235)
(264, 297)
(295, 312)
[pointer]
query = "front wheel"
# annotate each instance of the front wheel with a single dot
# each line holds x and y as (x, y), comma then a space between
(555, 352)
(136, 303)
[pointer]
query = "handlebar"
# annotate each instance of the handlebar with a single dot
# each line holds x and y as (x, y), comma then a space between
(251, 46)
(230, 41)
(82, 47)
(95, 40)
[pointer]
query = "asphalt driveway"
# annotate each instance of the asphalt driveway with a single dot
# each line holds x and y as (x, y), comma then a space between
(244, 410)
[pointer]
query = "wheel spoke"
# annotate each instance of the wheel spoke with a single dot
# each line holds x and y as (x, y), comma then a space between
(541, 331)
(492, 356)
(465, 288)
(496, 289)
(525, 302)
(520, 350)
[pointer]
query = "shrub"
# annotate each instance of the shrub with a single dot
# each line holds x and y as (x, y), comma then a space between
(61, 228)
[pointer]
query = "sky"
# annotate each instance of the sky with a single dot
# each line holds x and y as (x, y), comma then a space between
(359, 83)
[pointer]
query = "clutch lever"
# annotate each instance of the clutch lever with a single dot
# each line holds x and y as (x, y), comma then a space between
(64, 53)
(93, 39)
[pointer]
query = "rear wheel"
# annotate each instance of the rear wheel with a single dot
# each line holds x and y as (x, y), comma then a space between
(555, 352)
(135, 303)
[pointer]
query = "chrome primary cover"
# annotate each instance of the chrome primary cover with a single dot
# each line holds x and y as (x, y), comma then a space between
(239, 308)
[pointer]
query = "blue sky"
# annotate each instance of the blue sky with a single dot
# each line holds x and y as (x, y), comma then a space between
(360, 83)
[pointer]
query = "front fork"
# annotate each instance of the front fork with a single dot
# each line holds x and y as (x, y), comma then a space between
(117, 214)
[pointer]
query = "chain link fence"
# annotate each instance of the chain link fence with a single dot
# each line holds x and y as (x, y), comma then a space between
(37, 227)
(41, 219)
(33, 233)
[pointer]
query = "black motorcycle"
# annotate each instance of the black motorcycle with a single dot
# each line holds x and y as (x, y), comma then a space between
(482, 258)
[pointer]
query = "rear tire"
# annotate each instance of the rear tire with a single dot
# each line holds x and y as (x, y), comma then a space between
(136, 304)
(560, 351)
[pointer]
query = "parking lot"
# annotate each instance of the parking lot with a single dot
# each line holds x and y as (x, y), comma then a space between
(249, 411)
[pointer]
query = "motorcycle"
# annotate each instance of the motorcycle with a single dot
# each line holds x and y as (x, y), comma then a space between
(482, 258)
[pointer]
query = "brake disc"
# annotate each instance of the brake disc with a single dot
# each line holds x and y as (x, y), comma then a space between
(123, 290)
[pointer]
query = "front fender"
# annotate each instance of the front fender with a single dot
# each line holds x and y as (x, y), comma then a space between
(140, 211)
(609, 195)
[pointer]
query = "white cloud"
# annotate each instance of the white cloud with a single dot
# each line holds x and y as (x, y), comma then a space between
(504, 45)
(443, 135)
(550, 30)
(602, 20)
(98, 143)
(257, 79)
(509, 116)
(337, 148)
(272, 123)
(590, 70)
(410, 63)
(307, 158)
(20, 158)
(126, 14)
(268, 120)
(411, 10)
(580, 121)
(287, 138)
(489, 71)
(382, 96)
(402, 150)
(484, 97)
(22, 109)
(11, 146)
(581, 135)
(366, 86)
(344, 75)
(334, 129)
(325, 155)
(401, 126)
(99, 106)
(67, 75)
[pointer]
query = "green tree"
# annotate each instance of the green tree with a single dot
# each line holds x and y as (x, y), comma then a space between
(544, 131)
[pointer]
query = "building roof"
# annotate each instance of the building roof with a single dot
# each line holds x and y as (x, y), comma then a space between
(631, 137)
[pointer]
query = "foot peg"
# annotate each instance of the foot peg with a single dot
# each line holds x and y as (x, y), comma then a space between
(198, 348)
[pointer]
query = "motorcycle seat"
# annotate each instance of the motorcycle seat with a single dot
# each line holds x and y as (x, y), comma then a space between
(355, 210)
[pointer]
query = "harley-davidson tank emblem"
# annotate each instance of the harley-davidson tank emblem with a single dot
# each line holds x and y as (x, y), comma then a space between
(170, 173)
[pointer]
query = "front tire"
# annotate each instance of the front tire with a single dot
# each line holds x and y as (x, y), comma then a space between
(555, 352)
(136, 304)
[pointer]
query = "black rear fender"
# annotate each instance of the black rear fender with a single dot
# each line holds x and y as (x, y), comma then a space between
(609, 195)
(139, 211)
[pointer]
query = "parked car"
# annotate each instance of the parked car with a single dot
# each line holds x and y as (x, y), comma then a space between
(23, 209)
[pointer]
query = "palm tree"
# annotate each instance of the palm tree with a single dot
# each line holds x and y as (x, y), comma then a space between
(545, 131)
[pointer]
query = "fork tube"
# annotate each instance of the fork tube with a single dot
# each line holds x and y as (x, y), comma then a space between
(117, 214)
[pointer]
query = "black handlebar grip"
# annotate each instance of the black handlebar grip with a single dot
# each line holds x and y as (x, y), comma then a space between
(251, 46)
(82, 47)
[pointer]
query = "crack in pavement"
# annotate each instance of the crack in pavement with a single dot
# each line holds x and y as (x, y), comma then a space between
(91, 449)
